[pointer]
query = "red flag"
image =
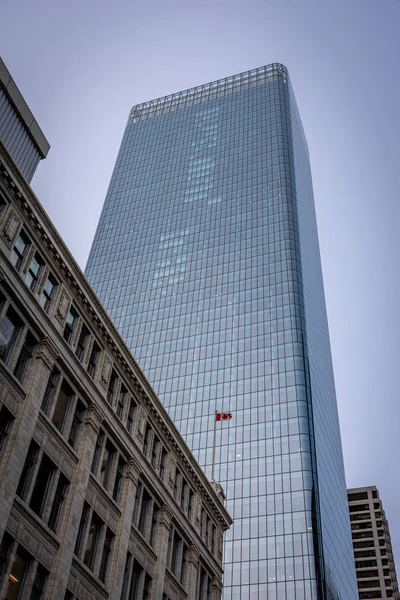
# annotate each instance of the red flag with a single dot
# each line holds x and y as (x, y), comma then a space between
(223, 416)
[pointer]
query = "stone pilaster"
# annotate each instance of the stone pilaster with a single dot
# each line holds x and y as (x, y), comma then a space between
(193, 569)
(72, 511)
(22, 431)
(127, 501)
(161, 549)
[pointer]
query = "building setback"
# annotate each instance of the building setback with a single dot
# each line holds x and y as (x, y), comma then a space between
(100, 496)
(19, 131)
(206, 257)
(375, 568)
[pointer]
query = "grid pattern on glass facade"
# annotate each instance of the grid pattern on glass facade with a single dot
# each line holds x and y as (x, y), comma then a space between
(198, 260)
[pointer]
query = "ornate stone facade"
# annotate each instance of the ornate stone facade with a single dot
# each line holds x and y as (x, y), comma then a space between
(103, 499)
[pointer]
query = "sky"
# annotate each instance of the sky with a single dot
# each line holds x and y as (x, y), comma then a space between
(81, 66)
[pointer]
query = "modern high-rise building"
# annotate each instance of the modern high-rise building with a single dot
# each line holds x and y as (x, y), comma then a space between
(19, 130)
(206, 257)
(375, 568)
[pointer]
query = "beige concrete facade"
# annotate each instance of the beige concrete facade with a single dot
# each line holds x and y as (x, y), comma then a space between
(99, 495)
(375, 568)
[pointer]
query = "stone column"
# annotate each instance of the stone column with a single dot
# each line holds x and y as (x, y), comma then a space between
(216, 588)
(72, 509)
(161, 549)
(193, 569)
(23, 427)
(121, 542)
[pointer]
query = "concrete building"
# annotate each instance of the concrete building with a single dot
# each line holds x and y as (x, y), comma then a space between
(375, 568)
(100, 497)
(19, 131)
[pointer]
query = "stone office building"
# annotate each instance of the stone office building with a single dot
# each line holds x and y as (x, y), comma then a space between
(99, 495)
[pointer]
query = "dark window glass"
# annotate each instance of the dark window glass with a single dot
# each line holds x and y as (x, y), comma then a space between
(39, 583)
(9, 329)
(18, 252)
(136, 573)
(127, 570)
(177, 483)
(105, 557)
(147, 587)
(5, 548)
(25, 357)
(154, 522)
(6, 419)
(213, 534)
(121, 401)
(190, 504)
(33, 273)
(18, 575)
(137, 502)
(82, 526)
(144, 512)
(97, 452)
(62, 405)
(131, 415)
(50, 388)
(94, 359)
(41, 487)
(47, 292)
(76, 424)
(118, 479)
(82, 342)
(93, 540)
(154, 451)
(146, 440)
(183, 493)
(106, 464)
(111, 387)
(184, 564)
(3, 204)
(163, 463)
(70, 323)
(175, 552)
(27, 470)
(58, 502)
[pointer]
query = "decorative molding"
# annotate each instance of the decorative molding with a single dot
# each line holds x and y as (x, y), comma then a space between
(106, 370)
(198, 510)
(47, 352)
(43, 279)
(166, 515)
(28, 259)
(63, 306)
(142, 424)
(94, 417)
(132, 470)
(11, 228)
(194, 554)
(171, 470)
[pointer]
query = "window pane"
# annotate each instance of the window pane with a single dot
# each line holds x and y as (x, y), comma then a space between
(62, 405)
(9, 329)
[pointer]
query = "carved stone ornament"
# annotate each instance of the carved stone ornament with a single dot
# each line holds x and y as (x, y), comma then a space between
(132, 470)
(47, 352)
(28, 259)
(142, 424)
(43, 279)
(94, 416)
(11, 228)
(198, 510)
(106, 371)
(63, 306)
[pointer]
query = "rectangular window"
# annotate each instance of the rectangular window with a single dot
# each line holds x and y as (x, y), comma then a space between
(70, 324)
(213, 534)
(64, 399)
(43, 479)
(118, 479)
(163, 463)
(76, 424)
(121, 401)
(82, 526)
(146, 440)
(177, 483)
(184, 564)
(58, 502)
(144, 512)
(131, 415)
(147, 587)
(39, 583)
(5, 548)
(94, 359)
(6, 419)
(18, 252)
(111, 387)
(30, 461)
(3, 204)
(175, 552)
(50, 389)
(125, 585)
(33, 273)
(47, 293)
(9, 329)
(106, 464)
(97, 452)
(190, 505)
(154, 522)
(135, 581)
(105, 557)
(137, 502)
(154, 451)
(82, 343)
(183, 493)
(18, 575)
(25, 357)
(93, 541)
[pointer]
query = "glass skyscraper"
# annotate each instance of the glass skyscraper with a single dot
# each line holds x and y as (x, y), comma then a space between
(206, 256)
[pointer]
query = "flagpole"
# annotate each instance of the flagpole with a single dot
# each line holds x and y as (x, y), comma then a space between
(214, 446)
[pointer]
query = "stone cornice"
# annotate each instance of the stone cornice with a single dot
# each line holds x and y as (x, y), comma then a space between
(44, 229)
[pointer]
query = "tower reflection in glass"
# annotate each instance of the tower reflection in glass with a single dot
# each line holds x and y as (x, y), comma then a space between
(206, 256)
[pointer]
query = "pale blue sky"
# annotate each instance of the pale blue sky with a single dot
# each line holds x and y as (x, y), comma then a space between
(82, 65)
